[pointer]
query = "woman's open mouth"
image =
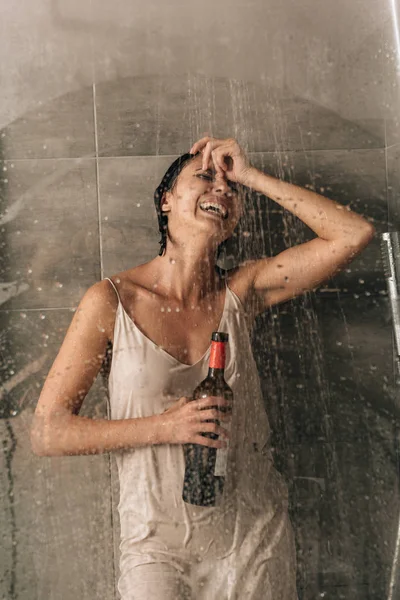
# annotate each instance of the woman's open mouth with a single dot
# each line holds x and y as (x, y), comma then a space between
(214, 208)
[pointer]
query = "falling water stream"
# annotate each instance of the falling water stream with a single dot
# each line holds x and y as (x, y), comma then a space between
(266, 230)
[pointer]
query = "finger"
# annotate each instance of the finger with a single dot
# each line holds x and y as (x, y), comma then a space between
(218, 156)
(217, 430)
(207, 154)
(212, 401)
(203, 141)
(218, 161)
(200, 144)
(203, 416)
(206, 441)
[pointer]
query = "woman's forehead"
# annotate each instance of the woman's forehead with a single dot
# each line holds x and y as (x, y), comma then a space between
(196, 164)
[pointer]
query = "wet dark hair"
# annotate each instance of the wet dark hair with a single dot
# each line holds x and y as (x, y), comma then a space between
(166, 185)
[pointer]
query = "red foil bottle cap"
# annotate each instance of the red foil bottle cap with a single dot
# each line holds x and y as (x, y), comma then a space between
(217, 355)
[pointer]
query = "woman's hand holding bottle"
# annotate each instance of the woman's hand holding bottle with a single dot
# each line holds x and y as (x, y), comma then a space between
(186, 420)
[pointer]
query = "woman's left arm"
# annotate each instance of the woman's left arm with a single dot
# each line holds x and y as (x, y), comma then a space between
(342, 235)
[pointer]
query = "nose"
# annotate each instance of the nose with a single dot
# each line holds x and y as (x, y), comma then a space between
(220, 184)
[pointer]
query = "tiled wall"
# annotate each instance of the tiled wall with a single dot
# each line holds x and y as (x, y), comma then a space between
(97, 101)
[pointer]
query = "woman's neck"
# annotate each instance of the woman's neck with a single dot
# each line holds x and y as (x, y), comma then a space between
(185, 279)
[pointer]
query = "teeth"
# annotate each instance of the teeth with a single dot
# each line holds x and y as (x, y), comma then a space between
(213, 206)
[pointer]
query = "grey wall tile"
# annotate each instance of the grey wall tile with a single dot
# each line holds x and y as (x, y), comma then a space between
(49, 222)
(390, 73)
(55, 512)
(318, 57)
(62, 127)
(393, 128)
(48, 56)
(129, 223)
(344, 506)
(148, 115)
(342, 592)
(327, 370)
(308, 52)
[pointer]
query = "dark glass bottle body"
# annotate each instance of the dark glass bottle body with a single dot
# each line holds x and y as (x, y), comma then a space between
(205, 467)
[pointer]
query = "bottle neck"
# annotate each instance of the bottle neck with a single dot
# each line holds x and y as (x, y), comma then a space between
(215, 373)
(217, 359)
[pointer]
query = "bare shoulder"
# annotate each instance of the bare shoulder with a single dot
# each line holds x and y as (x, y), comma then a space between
(102, 299)
(132, 287)
(131, 282)
(240, 280)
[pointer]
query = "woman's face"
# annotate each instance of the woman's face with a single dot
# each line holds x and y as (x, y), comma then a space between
(202, 200)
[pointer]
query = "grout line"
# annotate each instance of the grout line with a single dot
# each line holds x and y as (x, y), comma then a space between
(96, 157)
(110, 470)
(385, 131)
(46, 158)
(96, 145)
(299, 151)
(43, 308)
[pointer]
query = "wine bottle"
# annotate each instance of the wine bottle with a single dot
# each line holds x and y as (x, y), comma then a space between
(205, 467)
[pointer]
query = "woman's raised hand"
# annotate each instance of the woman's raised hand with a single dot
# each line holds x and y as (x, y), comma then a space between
(185, 421)
(228, 157)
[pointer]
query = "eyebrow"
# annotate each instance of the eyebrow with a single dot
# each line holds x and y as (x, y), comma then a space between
(211, 170)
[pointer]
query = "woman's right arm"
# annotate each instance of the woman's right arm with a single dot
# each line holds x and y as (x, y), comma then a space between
(57, 428)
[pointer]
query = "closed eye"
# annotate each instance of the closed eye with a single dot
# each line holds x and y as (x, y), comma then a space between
(231, 184)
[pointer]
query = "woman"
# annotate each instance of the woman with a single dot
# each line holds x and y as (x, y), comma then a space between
(159, 317)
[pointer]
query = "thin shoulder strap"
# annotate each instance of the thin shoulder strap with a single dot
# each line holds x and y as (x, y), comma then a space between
(116, 291)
